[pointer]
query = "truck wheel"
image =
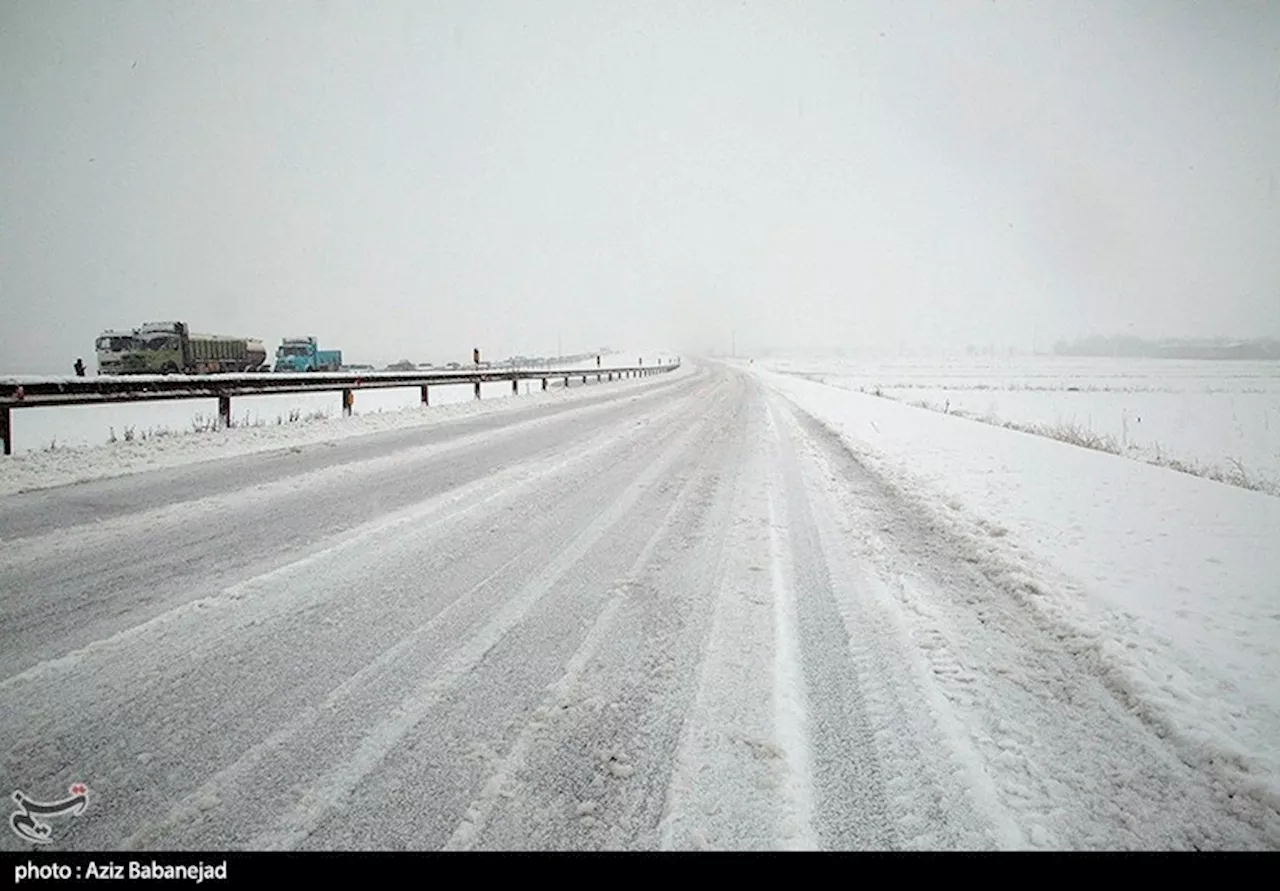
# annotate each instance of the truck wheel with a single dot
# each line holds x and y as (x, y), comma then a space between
(169, 368)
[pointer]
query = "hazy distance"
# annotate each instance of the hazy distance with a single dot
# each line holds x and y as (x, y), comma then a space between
(410, 180)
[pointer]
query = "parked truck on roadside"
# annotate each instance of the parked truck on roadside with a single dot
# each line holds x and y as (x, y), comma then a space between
(171, 348)
(303, 354)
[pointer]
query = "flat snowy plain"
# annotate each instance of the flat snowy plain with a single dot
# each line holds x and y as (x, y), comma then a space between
(720, 609)
(1218, 418)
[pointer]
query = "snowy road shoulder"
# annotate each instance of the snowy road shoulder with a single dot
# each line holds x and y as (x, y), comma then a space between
(1172, 579)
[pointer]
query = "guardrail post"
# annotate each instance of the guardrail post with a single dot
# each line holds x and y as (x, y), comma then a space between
(566, 382)
(425, 399)
(544, 383)
(224, 411)
(477, 389)
(5, 428)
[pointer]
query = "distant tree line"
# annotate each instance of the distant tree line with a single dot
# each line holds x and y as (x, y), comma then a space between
(1170, 348)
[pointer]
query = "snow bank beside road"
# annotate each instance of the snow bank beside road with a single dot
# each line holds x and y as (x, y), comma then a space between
(1174, 581)
(44, 469)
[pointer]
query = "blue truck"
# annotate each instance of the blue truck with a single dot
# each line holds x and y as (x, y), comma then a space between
(303, 354)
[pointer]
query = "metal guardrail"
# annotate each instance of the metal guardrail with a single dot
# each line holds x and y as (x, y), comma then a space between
(37, 392)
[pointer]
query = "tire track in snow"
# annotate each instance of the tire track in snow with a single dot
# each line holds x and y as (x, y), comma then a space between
(851, 810)
(255, 763)
(308, 813)
(595, 774)
(455, 601)
(233, 776)
(265, 596)
(942, 796)
(791, 708)
(478, 814)
(741, 778)
(104, 579)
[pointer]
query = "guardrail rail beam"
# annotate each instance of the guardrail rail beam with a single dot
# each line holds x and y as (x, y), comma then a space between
(24, 392)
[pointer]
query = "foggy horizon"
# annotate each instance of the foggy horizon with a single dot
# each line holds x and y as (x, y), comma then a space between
(405, 182)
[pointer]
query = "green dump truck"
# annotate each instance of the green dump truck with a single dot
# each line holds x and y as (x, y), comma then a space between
(170, 348)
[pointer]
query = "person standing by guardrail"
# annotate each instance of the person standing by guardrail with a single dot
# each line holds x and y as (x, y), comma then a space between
(79, 367)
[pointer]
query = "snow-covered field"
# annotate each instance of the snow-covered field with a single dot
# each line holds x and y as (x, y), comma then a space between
(58, 445)
(1215, 418)
(1167, 583)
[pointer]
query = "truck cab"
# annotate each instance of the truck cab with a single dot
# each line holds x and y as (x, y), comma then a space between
(114, 349)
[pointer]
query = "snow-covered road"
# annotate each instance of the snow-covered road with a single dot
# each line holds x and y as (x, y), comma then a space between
(675, 617)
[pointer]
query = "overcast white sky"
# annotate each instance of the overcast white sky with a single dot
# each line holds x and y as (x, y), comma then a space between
(410, 179)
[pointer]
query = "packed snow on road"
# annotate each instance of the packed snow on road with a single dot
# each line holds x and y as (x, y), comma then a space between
(732, 607)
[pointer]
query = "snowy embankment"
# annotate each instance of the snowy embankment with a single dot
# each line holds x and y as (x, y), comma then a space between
(1168, 583)
(170, 448)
